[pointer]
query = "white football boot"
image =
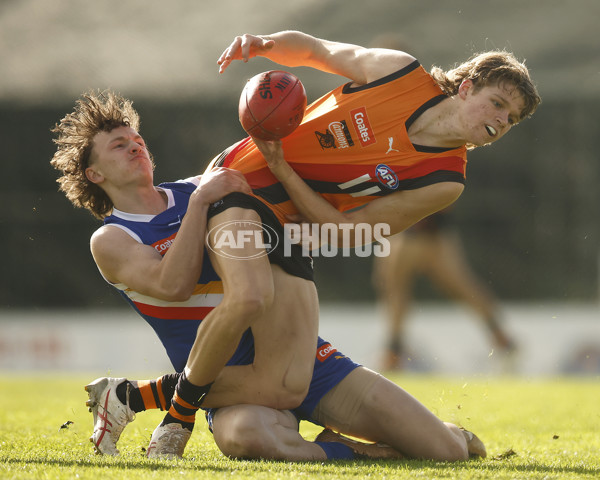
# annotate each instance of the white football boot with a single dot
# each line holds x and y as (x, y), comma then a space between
(110, 415)
(168, 441)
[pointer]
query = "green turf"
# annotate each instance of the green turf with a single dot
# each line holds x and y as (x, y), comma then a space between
(552, 426)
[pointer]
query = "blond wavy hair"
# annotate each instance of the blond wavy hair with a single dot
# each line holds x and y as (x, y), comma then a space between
(94, 112)
(495, 67)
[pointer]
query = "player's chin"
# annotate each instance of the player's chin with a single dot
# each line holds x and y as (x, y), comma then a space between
(484, 141)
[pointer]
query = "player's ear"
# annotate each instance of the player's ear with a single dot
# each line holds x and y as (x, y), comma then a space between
(465, 86)
(93, 176)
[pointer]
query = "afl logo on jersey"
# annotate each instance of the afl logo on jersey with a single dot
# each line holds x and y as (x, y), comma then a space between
(387, 176)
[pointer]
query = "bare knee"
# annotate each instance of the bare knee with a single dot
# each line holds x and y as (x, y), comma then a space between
(245, 307)
(240, 433)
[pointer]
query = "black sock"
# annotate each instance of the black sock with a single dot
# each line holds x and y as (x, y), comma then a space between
(135, 397)
(163, 389)
(186, 401)
(168, 386)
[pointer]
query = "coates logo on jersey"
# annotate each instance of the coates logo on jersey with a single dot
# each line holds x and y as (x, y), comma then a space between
(325, 351)
(163, 245)
(387, 176)
(361, 123)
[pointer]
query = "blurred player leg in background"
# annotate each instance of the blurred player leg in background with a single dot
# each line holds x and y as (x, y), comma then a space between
(431, 248)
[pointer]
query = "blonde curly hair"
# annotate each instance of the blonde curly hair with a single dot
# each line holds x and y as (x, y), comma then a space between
(491, 68)
(94, 112)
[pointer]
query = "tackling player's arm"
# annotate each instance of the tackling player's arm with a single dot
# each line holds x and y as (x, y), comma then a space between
(399, 210)
(121, 259)
(295, 49)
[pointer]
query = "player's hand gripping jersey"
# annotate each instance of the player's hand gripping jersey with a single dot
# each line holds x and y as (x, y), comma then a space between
(353, 146)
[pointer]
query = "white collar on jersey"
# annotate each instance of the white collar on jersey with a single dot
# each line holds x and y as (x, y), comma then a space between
(140, 217)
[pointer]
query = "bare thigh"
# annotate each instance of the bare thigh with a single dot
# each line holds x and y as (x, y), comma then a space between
(248, 292)
(286, 337)
(285, 330)
(388, 414)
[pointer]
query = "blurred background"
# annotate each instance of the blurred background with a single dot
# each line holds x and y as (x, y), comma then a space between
(529, 217)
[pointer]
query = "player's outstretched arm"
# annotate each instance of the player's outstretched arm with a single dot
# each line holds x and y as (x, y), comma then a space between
(294, 49)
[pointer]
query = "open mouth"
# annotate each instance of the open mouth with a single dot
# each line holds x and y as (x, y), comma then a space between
(491, 130)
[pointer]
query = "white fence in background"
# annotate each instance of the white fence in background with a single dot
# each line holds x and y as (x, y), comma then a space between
(445, 339)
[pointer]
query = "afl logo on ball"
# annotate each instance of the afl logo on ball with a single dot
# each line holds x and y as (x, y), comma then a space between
(386, 176)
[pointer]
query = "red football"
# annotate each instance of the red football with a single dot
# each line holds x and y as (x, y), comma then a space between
(272, 105)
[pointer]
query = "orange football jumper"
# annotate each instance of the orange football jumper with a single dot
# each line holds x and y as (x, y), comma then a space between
(353, 147)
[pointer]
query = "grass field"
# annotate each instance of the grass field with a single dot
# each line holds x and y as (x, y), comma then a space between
(533, 429)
